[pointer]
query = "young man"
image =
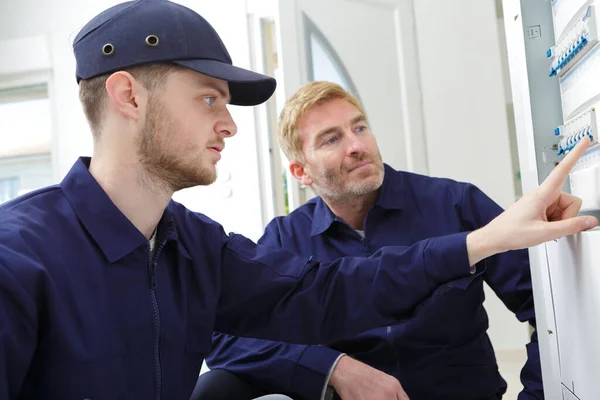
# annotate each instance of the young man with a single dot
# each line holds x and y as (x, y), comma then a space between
(109, 289)
(443, 352)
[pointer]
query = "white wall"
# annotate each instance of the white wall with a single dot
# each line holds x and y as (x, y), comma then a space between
(465, 102)
(463, 94)
(35, 40)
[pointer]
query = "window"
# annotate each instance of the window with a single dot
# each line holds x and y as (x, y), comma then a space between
(9, 188)
(25, 140)
(324, 64)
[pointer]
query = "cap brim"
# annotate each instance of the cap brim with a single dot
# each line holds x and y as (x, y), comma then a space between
(246, 88)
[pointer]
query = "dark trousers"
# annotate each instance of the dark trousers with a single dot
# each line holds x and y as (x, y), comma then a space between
(222, 385)
(219, 384)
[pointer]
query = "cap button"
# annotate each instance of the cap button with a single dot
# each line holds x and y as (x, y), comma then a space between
(152, 40)
(108, 49)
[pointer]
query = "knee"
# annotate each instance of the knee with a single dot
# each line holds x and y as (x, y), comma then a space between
(219, 384)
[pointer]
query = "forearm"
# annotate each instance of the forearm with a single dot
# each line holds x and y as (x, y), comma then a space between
(296, 300)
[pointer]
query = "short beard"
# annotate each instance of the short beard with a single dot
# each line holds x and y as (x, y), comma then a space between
(163, 166)
(326, 185)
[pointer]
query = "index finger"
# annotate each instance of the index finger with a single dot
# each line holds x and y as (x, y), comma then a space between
(557, 177)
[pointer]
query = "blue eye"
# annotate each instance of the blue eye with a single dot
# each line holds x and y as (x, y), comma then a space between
(209, 100)
(361, 128)
(331, 140)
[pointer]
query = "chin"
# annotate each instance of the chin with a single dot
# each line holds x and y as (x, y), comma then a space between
(370, 183)
(207, 178)
(208, 174)
(200, 176)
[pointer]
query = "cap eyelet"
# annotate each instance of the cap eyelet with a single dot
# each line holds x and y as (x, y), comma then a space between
(108, 49)
(152, 40)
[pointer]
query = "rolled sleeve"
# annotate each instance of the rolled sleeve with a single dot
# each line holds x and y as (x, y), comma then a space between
(313, 370)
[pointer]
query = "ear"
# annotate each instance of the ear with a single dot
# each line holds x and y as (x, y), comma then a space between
(126, 95)
(299, 172)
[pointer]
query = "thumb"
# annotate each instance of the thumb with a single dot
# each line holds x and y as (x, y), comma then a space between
(569, 226)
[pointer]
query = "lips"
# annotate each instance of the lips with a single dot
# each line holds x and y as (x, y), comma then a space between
(360, 164)
(218, 147)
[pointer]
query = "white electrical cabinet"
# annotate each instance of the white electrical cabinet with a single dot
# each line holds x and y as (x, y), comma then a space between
(554, 61)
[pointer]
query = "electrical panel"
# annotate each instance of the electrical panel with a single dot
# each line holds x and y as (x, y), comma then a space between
(554, 61)
(575, 62)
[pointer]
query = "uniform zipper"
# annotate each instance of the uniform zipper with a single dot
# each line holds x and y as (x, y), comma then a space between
(152, 265)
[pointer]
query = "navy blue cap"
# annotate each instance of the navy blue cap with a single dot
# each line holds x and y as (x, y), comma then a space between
(152, 31)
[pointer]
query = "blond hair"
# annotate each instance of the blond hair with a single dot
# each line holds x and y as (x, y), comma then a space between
(309, 95)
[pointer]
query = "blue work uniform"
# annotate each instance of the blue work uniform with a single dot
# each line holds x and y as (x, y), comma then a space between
(443, 352)
(87, 310)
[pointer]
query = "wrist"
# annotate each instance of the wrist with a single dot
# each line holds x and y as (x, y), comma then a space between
(481, 244)
(337, 376)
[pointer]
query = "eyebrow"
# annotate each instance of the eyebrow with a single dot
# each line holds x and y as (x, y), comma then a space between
(219, 90)
(326, 131)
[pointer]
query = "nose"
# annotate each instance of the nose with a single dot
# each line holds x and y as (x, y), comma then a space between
(226, 126)
(356, 146)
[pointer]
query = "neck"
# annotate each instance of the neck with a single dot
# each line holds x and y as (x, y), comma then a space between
(139, 197)
(352, 210)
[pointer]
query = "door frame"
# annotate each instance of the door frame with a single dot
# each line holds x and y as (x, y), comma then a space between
(295, 74)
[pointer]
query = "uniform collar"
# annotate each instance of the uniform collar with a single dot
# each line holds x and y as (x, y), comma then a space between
(390, 198)
(107, 225)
